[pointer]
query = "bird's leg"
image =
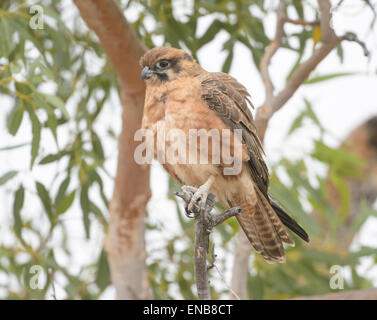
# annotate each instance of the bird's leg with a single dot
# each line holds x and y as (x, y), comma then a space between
(201, 193)
(189, 190)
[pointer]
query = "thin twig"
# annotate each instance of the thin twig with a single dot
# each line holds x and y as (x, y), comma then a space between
(204, 224)
(52, 280)
(234, 294)
(337, 6)
(352, 37)
(302, 22)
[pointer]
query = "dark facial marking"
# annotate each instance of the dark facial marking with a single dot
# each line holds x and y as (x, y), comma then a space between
(162, 76)
(172, 64)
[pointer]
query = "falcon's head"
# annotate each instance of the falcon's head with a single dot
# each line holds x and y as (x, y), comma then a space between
(166, 64)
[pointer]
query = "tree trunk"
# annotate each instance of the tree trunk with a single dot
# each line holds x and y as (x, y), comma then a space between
(125, 244)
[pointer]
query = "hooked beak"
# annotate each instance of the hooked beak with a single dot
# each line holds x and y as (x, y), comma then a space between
(146, 73)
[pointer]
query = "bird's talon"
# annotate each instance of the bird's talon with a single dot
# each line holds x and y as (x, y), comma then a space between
(200, 197)
(189, 214)
(189, 189)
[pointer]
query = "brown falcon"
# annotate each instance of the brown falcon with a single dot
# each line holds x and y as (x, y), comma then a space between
(182, 95)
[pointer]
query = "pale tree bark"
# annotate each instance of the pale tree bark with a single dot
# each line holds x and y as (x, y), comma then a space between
(125, 244)
(274, 102)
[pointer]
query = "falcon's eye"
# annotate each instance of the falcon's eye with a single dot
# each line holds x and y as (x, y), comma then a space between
(162, 64)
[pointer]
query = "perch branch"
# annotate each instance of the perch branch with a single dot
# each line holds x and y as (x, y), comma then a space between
(204, 224)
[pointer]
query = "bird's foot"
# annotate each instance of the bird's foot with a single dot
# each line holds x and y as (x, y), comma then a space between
(200, 195)
(191, 191)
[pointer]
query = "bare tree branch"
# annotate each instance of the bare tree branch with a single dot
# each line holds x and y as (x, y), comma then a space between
(270, 52)
(125, 243)
(273, 103)
(204, 224)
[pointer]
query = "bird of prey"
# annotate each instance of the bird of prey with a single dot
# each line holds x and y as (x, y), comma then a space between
(182, 95)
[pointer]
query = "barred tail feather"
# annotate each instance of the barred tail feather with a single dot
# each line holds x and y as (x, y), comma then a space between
(288, 221)
(264, 229)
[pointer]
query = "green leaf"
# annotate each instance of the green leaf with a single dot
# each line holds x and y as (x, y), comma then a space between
(95, 177)
(7, 176)
(85, 206)
(299, 8)
(210, 33)
(62, 190)
(24, 88)
(17, 206)
(326, 77)
(103, 271)
(36, 132)
(65, 203)
(340, 52)
(15, 118)
(6, 39)
(16, 146)
(311, 114)
(98, 213)
(97, 146)
(228, 62)
(21, 25)
(45, 199)
(57, 103)
(52, 157)
(344, 162)
(297, 123)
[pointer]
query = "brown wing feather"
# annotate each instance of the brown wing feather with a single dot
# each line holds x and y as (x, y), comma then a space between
(230, 101)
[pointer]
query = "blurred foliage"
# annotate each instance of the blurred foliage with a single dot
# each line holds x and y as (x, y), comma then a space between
(307, 267)
(55, 87)
(32, 61)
